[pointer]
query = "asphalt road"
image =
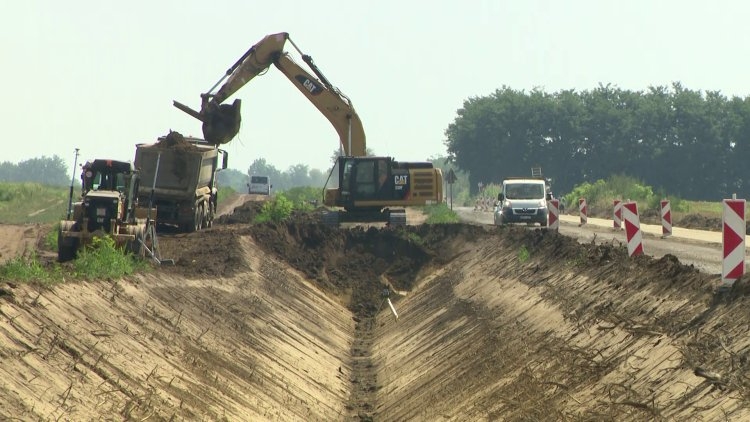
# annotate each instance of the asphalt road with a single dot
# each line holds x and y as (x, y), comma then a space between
(699, 248)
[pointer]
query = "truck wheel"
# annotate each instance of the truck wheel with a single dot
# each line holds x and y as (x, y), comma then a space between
(198, 221)
(66, 247)
(209, 222)
(135, 246)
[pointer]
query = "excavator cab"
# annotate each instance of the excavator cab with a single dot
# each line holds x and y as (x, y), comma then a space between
(367, 186)
(368, 179)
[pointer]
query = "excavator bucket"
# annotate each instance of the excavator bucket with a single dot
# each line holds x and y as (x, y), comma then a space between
(221, 124)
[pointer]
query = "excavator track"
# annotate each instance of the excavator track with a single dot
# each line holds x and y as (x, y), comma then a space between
(397, 217)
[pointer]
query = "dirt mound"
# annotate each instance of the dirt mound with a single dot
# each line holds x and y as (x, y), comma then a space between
(699, 222)
(244, 213)
(205, 253)
(175, 140)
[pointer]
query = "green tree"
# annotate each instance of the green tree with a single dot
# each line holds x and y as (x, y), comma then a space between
(235, 179)
(682, 141)
(45, 170)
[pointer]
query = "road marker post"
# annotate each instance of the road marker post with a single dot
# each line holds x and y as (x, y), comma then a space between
(666, 218)
(583, 211)
(733, 240)
(617, 214)
(632, 228)
(553, 222)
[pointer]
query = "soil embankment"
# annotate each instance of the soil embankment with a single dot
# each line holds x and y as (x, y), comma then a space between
(290, 322)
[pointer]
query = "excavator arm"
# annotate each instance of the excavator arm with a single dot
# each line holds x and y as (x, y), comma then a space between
(221, 122)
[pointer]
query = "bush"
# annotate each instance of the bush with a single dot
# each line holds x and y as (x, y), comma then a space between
(600, 194)
(304, 198)
(440, 214)
(277, 209)
(103, 259)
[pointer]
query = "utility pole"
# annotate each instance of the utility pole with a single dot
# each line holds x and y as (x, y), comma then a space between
(450, 178)
(72, 182)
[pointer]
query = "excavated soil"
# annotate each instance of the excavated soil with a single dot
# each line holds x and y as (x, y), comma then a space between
(293, 321)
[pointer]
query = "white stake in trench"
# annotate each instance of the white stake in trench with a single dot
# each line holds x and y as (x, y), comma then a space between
(393, 309)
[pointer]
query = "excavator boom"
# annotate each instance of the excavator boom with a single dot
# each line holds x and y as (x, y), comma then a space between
(221, 122)
(331, 103)
(254, 62)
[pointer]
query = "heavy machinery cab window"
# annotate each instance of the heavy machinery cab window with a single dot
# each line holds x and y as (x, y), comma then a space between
(367, 178)
(104, 180)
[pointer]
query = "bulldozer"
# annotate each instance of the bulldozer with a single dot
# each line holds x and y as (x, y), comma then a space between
(107, 207)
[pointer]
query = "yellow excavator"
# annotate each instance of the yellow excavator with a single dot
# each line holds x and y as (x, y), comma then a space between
(370, 189)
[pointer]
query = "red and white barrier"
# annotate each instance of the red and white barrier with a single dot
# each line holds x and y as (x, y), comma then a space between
(583, 210)
(632, 228)
(617, 214)
(733, 239)
(553, 219)
(666, 218)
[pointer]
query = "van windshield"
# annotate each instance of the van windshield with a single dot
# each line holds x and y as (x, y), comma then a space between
(258, 179)
(524, 191)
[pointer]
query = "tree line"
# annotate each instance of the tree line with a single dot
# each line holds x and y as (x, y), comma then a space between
(44, 170)
(683, 142)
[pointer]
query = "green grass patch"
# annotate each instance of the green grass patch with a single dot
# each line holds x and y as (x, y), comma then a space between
(523, 254)
(101, 259)
(28, 202)
(709, 209)
(50, 238)
(440, 214)
(224, 193)
(30, 269)
(414, 238)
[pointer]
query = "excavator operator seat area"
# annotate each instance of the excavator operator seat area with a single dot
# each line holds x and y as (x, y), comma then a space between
(367, 177)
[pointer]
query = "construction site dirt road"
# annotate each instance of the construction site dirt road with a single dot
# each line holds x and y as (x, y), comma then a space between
(289, 321)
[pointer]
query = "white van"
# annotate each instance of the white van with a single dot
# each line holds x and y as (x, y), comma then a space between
(522, 201)
(259, 185)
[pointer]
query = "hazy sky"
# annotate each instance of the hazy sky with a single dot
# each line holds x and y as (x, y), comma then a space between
(101, 76)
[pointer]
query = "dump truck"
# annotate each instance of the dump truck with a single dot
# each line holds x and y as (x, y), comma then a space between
(107, 207)
(178, 178)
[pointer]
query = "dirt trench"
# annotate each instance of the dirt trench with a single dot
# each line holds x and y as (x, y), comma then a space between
(289, 322)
